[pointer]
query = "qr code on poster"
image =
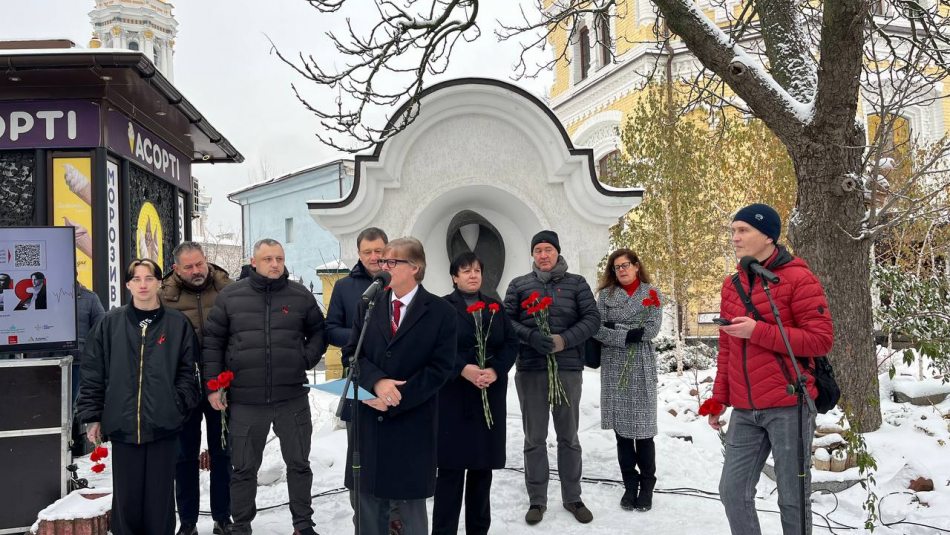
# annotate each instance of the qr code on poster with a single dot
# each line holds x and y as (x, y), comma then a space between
(27, 255)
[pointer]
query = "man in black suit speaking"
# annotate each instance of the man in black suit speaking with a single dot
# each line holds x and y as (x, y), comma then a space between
(407, 355)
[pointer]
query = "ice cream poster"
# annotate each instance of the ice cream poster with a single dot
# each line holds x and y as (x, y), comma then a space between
(149, 237)
(72, 207)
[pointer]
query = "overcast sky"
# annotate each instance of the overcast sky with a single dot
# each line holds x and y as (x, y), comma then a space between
(224, 67)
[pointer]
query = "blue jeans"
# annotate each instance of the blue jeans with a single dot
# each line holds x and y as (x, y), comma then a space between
(186, 470)
(749, 439)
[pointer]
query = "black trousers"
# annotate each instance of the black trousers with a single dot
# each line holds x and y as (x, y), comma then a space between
(143, 487)
(249, 427)
(449, 487)
(186, 476)
(634, 454)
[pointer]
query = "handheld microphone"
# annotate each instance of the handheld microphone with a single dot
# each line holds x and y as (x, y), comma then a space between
(380, 281)
(751, 265)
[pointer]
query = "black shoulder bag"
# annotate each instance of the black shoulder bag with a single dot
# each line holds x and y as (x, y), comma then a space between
(592, 349)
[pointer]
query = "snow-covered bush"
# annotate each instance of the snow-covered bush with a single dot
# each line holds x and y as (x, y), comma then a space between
(699, 357)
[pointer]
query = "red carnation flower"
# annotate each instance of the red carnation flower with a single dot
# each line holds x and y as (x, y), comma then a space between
(213, 384)
(531, 299)
(98, 454)
(546, 302)
(475, 307)
(225, 378)
(98, 468)
(494, 307)
(711, 407)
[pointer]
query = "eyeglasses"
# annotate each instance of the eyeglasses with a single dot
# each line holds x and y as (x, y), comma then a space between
(391, 262)
(620, 267)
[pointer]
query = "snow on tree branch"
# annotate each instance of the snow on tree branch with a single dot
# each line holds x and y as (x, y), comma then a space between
(722, 54)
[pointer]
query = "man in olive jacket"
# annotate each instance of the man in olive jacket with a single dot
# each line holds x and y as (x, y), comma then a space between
(268, 331)
(191, 288)
(573, 318)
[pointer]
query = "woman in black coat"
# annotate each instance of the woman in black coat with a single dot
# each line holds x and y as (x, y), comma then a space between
(465, 440)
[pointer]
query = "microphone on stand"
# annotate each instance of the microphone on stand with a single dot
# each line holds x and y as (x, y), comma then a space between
(380, 281)
(751, 265)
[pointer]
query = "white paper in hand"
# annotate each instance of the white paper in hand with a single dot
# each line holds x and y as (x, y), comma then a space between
(336, 388)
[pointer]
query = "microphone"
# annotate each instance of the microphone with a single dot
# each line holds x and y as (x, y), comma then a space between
(380, 281)
(751, 265)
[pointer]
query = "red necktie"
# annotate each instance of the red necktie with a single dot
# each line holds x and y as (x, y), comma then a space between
(397, 304)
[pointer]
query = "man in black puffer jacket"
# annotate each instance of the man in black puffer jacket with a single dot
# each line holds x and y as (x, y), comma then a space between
(268, 331)
(573, 318)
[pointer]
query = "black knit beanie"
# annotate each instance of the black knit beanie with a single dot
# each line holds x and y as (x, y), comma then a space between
(763, 218)
(546, 236)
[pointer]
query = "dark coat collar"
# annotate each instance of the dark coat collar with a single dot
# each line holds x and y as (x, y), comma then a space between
(264, 284)
(130, 314)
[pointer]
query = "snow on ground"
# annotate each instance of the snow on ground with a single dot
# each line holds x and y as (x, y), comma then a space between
(912, 442)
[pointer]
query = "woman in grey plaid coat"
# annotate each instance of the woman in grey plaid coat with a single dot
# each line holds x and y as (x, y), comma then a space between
(631, 315)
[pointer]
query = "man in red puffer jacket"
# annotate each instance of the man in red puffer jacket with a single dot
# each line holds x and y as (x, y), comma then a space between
(754, 371)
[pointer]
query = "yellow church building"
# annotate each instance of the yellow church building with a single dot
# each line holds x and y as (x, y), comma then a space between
(607, 61)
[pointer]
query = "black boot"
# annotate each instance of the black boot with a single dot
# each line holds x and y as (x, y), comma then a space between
(645, 496)
(646, 461)
(627, 457)
(631, 485)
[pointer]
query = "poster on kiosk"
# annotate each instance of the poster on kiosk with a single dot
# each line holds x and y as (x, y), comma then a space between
(37, 289)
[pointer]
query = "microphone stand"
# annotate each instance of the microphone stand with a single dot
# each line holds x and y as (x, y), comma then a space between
(803, 400)
(354, 376)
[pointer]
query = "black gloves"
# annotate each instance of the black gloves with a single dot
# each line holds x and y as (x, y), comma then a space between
(634, 335)
(542, 344)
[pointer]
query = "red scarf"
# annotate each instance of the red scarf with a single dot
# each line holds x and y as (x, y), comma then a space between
(632, 287)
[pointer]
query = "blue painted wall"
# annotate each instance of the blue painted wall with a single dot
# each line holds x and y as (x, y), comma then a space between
(267, 207)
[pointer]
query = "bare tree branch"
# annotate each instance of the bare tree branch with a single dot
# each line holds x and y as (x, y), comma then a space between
(544, 24)
(407, 45)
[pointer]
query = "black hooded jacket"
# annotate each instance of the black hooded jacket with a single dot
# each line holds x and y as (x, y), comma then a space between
(269, 332)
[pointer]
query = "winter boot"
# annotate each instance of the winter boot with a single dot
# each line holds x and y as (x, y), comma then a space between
(631, 485)
(645, 496)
